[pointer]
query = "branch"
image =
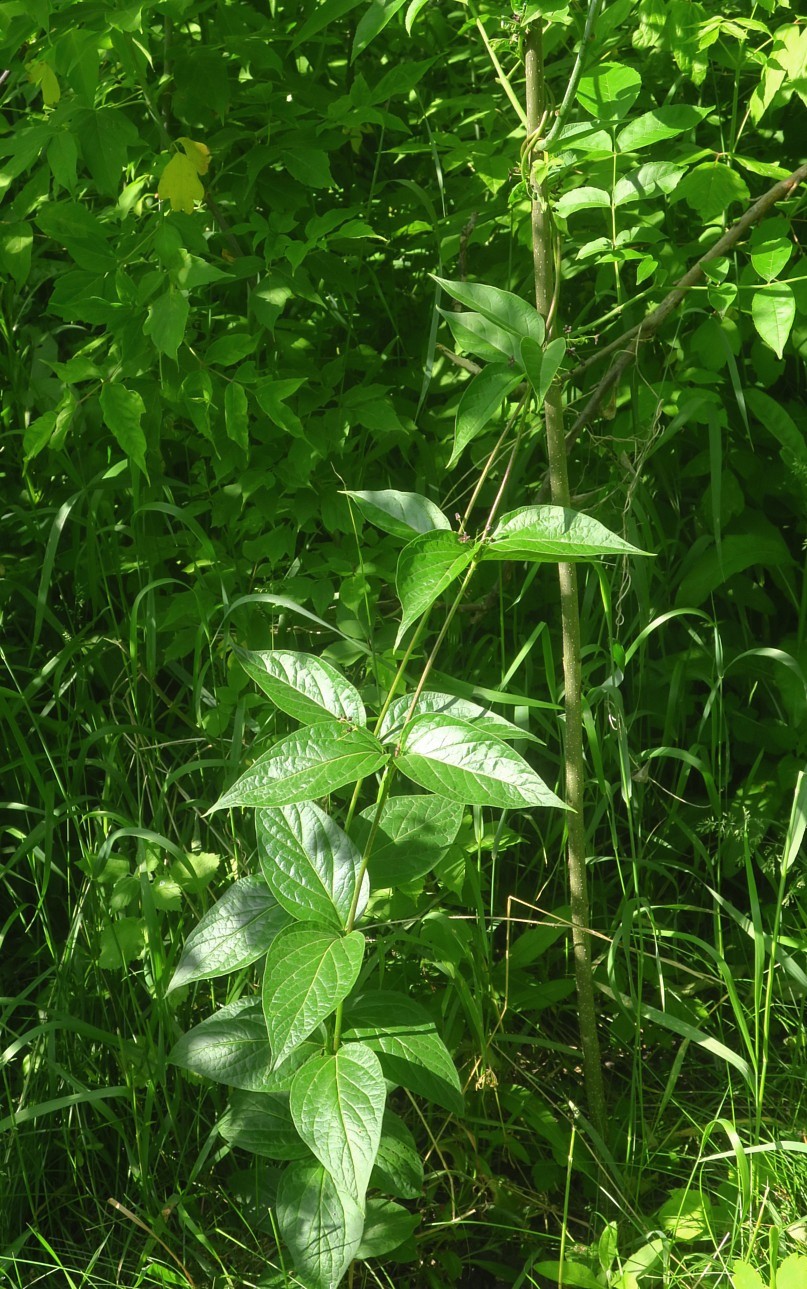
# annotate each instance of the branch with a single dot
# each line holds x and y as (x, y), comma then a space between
(643, 330)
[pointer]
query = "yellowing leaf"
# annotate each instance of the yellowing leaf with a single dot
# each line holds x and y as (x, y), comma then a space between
(43, 75)
(180, 184)
(198, 153)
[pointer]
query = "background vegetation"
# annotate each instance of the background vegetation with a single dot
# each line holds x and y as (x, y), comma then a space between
(218, 234)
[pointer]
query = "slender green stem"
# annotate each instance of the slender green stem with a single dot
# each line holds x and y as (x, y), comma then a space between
(545, 294)
(500, 72)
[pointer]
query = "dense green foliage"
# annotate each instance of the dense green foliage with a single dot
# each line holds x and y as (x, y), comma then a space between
(267, 328)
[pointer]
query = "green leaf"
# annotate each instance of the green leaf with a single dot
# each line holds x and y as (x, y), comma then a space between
(738, 551)
(337, 1104)
(584, 198)
(551, 534)
(744, 1276)
(771, 247)
(303, 686)
(166, 321)
(37, 435)
(773, 417)
(16, 241)
(236, 414)
(650, 180)
(122, 410)
(686, 1214)
(478, 335)
(261, 1123)
(373, 21)
(773, 309)
(481, 717)
(502, 307)
(121, 942)
(661, 123)
(541, 365)
(411, 1052)
(105, 135)
(398, 1166)
(790, 1274)
(310, 864)
(233, 348)
(609, 91)
(308, 972)
(236, 931)
(230, 1047)
(480, 401)
(469, 765)
(710, 189)
(323, 14)
(401, 514)
(311, 763)
(180, 184)
(574, 1274)
(320, 1225)
(386, 1226)
(426, 568)
(413, 834)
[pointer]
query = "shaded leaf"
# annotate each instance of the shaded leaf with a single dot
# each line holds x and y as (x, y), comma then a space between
(166, 322)
(310, 864)
(122, 410)
(541, 365)
(469, 765)
(386, 1226)
(773, 309)
(411, 1052)
(230, 1047)
(337, 1104)
(261, 1123)
(426, 568)
(321, 1226)
(400, 513)
(711, 188)
(552, 533)
(398, 1166)
(481, 399)
(412, 837)
(236, 931)
(308, 972)
(303, 686)
(311, 763)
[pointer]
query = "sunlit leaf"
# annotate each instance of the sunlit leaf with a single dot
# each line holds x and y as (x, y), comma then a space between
(236, 931)
(310, 864)
(320, 1224)
(309, 971)
(426, 568)
(180, 184)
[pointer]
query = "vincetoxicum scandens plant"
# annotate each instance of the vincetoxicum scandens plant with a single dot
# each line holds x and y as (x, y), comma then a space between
(312, 1061)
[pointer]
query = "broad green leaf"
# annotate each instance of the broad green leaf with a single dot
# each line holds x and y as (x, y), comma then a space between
(773, 417)
(711, 188)
(661, 123)
(236, 931)
(303, 686)
(476, 334)
(122, 410)
(166, 321)
(552, 534)
(686, 1214)
(198, 153)
(105, 135)
(232, 348)
(792, 1273)
(373, 21)
(411, 1052)
(308, 972)
(230, 1047)
(481, 399)
(773, 309)
(320, 1225)
(180, 184)
(337, 1104)
(322, 16)
(386, 1226)
(765, 547)
(43, 76)
(310, 864)
(584, 198)
(412, 837)
(575, 1275)
(469, 765)
(38, 434)
(771, 246)
(261, 1123)
(541, 365)
(120, 942)
(236, 414)
(311, 763)
(651, 179)
(16, 241)
(502, 307)
(426, 568)
(398, 1166)
(449, 705)
(609, 91)
(400, 513)
(744, 1276)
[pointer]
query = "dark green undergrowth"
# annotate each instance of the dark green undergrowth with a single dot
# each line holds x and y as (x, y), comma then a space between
(192, 384)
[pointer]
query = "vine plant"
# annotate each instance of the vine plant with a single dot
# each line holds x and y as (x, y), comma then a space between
(313, 1059)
